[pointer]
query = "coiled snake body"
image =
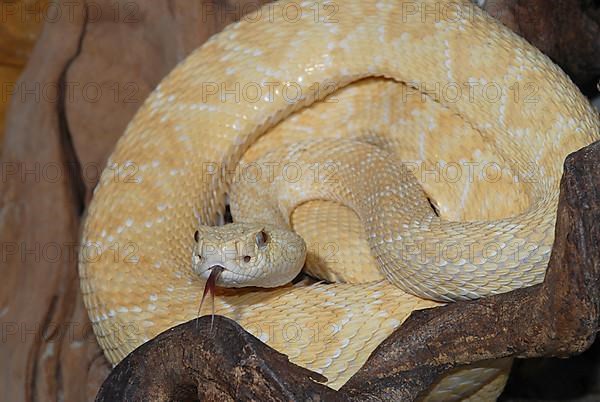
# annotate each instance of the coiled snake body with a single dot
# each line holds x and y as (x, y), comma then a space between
(377, 85)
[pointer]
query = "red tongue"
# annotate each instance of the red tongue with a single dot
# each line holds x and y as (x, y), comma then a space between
(210, 286)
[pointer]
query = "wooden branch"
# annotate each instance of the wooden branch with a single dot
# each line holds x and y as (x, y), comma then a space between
(556, 318)
(191, 361)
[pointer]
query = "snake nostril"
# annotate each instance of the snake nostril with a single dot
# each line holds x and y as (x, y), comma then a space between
(247, 258)
(433, 206)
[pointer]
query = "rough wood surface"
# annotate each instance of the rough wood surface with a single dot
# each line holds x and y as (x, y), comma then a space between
(20, 24)
(57, 141)
(191, 362)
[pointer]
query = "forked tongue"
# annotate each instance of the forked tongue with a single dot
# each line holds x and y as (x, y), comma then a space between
(210, 286)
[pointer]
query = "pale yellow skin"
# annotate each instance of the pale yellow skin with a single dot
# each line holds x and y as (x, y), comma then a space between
(182, 133)
(248, 254)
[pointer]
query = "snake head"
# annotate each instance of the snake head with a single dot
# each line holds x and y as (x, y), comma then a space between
(248, 254)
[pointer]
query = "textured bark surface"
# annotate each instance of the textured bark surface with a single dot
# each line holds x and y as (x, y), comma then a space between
(191, 362)
(90, 71)
(20, 24)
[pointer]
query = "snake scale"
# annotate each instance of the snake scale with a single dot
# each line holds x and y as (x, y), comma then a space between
(389, 99)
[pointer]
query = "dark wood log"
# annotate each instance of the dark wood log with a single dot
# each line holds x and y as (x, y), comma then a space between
(225, 363)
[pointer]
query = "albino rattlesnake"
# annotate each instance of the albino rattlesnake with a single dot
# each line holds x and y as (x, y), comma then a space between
(186, 127)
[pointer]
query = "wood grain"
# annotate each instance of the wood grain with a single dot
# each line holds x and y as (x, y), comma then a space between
(21, 22)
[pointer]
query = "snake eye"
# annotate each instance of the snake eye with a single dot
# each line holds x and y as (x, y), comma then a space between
(196, 236)
(247, 258)
(261, 239)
